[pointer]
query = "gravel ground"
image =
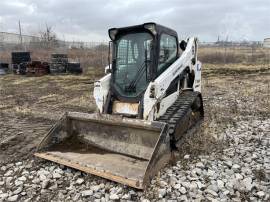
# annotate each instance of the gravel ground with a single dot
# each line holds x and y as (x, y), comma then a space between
(230, 163)
(239, 172)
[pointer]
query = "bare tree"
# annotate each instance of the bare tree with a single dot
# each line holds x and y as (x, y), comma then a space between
(48, 37)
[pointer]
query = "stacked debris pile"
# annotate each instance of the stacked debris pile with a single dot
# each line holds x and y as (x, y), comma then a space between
(59, 63)
(4, 68)
(74, 68)
(19, 62)
(37, 68)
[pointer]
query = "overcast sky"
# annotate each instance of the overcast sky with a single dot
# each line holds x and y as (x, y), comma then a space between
(89, 20)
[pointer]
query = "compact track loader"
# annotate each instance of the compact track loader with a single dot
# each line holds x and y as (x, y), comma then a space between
(149, 98)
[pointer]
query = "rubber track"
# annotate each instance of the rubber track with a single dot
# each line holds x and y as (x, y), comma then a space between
(178, 110)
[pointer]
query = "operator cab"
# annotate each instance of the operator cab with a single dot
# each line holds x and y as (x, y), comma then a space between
(139, 55)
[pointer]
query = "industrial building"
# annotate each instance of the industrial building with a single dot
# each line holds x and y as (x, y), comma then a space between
(266, 43)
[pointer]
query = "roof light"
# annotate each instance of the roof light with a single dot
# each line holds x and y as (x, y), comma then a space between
(112, 33)
(151, 27)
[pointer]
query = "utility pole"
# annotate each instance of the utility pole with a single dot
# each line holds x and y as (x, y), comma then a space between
(20, 30)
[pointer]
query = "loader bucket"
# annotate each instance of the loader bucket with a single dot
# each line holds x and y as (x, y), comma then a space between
(128, 151)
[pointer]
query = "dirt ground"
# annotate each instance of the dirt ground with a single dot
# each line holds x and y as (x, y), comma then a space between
(29, 106)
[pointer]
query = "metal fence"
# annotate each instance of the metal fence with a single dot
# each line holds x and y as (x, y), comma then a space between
(13, 38)
(95, 54)
(87, 53)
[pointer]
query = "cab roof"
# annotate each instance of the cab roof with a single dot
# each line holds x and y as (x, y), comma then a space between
(158, 28)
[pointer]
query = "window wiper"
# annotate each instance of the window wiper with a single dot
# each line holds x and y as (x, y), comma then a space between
(132, 86)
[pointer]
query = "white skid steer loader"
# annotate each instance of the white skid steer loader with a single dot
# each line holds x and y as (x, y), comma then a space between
(149, 98)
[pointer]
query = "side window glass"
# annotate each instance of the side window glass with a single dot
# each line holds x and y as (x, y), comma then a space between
(167, 52)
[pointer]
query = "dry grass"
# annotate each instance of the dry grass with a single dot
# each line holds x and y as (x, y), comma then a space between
(98, 56)
(234, 55)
